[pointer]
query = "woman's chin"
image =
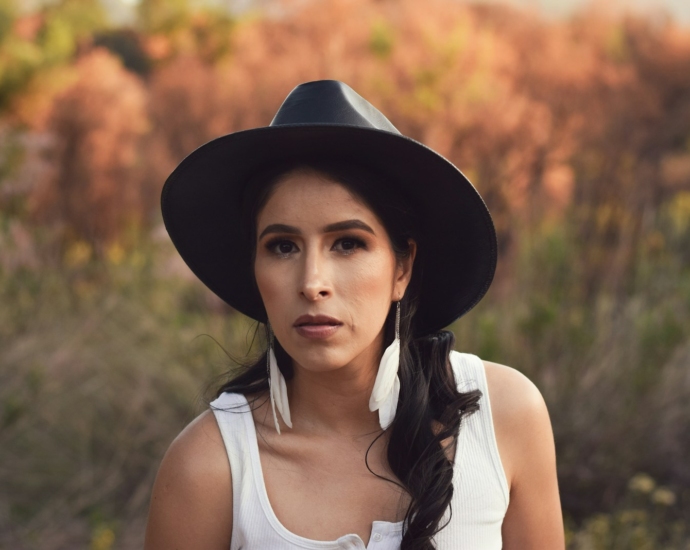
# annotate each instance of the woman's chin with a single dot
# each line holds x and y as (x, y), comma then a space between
(319, 361)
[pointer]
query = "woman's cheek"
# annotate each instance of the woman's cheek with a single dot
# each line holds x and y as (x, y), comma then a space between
(367, 288)
(273, 283)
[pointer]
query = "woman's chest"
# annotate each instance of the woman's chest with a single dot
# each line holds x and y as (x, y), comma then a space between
(324, 491)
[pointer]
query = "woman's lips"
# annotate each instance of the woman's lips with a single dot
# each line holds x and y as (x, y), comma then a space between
(316, 326)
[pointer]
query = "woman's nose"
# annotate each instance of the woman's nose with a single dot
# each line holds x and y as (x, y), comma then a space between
(315, 284)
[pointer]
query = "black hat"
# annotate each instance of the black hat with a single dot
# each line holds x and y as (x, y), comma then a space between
(202, 198)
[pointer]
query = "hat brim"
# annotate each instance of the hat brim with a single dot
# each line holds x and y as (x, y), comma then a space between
(201, 203)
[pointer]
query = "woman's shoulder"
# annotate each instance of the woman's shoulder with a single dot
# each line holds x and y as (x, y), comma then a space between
(511, 389)
(192, 490)
(526, 445)
(199, 448)
(520, 417)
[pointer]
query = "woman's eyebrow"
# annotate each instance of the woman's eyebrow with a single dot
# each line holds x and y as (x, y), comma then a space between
(338, 226)
(280, 228)
(348, 224)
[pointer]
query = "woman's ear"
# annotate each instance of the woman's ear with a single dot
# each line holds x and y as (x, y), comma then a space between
(404, 271)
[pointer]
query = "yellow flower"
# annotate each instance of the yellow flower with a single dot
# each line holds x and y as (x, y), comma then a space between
(664, 496)
(102, 539)
(115, 253)
(641, 483)
(78, 254)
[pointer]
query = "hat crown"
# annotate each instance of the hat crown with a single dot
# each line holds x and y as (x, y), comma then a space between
(330, 102)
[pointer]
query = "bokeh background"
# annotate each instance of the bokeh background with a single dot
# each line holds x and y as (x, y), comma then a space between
(572, 120)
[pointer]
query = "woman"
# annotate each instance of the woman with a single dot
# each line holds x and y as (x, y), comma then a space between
(359, 427)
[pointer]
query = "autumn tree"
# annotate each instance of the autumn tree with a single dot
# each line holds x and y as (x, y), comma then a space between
(97, 125)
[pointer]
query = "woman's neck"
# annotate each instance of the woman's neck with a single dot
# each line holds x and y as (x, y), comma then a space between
(336, 402)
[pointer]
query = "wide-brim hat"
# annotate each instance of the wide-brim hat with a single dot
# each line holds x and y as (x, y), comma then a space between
(202, 200)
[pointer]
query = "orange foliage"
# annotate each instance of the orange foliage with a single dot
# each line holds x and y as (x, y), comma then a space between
(28, 26)
(96, 126)
(542, 116)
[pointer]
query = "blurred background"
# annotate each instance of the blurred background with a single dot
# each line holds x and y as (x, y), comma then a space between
(572, 119)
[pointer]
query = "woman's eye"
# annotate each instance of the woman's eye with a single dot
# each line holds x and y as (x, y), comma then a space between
(349, 244)
(281, 247)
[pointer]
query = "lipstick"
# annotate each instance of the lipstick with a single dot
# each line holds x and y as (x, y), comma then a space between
(317, 327)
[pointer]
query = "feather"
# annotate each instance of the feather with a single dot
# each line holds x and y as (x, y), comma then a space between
(386, 392)
(278, 390)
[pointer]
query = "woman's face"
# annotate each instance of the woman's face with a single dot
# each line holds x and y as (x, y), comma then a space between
(326, 272)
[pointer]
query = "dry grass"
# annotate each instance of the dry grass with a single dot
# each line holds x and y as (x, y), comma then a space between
(100, 369)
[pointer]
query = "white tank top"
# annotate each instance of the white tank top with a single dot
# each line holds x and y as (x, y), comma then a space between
(480, 497)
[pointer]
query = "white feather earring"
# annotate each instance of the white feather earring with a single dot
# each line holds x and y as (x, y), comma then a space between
(276, 386)
(384, 397)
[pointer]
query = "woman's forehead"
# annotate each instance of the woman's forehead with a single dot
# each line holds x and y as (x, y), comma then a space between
(311, 197)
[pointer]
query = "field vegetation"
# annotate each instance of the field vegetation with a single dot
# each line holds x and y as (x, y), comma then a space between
(576, 133)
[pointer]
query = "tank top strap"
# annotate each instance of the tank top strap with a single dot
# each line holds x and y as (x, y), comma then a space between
(468, 370)
(470, 374)
(233, 413)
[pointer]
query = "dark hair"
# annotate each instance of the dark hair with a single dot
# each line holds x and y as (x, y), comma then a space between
(430, 407)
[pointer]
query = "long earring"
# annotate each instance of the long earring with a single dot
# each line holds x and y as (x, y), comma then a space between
(276, 386)
(384, 397)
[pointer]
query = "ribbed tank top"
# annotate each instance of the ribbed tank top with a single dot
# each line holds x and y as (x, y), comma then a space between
(480, 497)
